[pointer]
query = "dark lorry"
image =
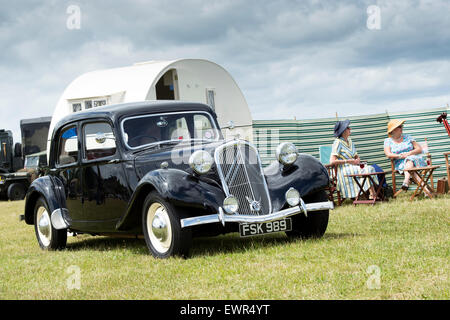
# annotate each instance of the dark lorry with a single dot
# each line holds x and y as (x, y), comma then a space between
(21, 163)
(10, 155)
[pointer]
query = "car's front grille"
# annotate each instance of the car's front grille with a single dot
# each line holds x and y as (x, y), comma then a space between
(241, 175)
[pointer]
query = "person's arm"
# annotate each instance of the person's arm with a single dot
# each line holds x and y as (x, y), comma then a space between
(335, 161)
(417, 149)
(388, 153)
(391, 155)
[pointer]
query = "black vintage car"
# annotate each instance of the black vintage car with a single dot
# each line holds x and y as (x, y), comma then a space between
(162, 170)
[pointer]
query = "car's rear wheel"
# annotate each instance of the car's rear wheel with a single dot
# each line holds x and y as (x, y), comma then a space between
(16, 191)
(48, 237)
(313, 226)
(162, 229)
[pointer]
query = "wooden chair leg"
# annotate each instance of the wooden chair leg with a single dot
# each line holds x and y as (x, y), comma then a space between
(431, 177)
(447, 166)
(394, 187)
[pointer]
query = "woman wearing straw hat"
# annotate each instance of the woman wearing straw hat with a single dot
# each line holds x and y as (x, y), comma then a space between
(404, 150)
(344, 155)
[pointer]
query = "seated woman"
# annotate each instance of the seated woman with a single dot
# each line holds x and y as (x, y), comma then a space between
(343, 154)
(404, 150)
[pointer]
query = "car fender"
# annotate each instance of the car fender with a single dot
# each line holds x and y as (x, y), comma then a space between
(183, 189)
(48, 187)
(306, 174)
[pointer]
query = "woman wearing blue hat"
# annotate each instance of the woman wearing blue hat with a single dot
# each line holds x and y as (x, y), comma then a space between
(345, 156)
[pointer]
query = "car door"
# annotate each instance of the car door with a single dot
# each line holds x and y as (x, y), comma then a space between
(105, 188)
(69, 171)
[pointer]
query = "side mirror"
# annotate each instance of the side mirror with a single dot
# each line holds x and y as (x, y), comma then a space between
(231, 125)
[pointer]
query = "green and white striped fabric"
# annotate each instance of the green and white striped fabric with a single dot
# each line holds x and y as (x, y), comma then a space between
(368, 134)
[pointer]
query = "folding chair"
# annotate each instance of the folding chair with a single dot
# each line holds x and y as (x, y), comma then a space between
(325, 153)
(426, 153)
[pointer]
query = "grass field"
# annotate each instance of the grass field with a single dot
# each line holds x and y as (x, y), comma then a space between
(394, 250)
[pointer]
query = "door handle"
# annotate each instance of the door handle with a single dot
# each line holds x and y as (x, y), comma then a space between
(113, 161)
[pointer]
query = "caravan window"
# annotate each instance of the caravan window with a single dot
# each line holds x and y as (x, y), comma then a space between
(203, 128)
(68, 146)
(76, 107)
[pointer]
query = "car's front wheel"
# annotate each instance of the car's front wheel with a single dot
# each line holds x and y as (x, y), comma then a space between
(316, 222)
(162, 229)
(48, 237)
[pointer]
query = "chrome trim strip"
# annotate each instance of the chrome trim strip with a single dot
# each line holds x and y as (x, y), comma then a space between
(220, 217)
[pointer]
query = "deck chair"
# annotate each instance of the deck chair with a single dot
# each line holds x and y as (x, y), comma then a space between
(426, 153)
(325, 153)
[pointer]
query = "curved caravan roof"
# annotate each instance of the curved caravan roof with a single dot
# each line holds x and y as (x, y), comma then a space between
(193, 80)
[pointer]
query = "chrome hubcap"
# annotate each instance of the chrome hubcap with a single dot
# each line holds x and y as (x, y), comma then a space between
(44, 226)
(159, 228)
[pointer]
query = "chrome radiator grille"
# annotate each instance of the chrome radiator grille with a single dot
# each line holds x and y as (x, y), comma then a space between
(241, 174)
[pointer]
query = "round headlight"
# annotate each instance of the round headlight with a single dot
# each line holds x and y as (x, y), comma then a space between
(286, 153)
(201, 161)
(230, 205)
(292, 197)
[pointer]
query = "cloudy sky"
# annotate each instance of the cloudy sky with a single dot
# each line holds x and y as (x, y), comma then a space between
(303, 59)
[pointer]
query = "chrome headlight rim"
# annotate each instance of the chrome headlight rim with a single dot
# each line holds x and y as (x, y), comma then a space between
(230, 205)
(201, 162)
(292, 197)
(286, 153)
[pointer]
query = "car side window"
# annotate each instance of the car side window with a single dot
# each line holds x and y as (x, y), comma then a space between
(68, 146)
(99, 141)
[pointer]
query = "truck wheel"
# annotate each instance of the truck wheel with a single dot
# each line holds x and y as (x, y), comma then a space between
(313, 226)
(162, 229)
(48, 237)
(16, 191)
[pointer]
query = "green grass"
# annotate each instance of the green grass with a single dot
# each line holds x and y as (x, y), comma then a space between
(407, 242)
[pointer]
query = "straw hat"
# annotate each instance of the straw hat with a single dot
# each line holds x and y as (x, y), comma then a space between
(394, 123)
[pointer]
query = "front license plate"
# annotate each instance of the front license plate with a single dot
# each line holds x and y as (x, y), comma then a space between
(253, 229)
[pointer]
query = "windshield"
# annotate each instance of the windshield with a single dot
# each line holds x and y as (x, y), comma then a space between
(174, 127)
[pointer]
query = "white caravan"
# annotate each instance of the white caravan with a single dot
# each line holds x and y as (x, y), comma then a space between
(193, 80)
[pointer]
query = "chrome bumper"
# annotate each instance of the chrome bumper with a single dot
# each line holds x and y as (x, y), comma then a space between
(222, 217)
